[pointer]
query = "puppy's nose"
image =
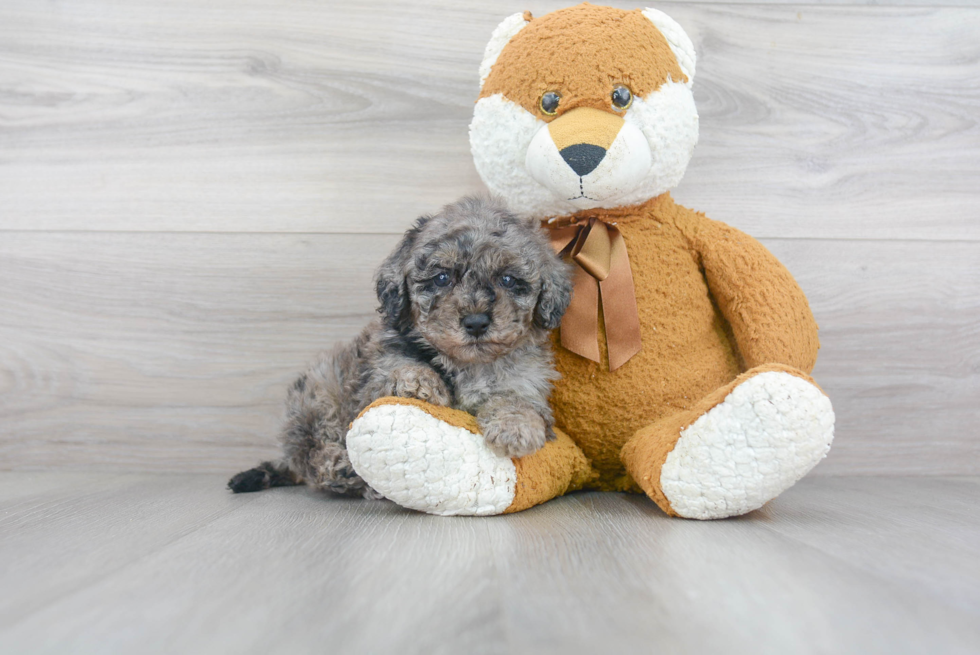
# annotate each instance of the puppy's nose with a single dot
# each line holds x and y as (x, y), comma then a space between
(476, 324)
(582, 157)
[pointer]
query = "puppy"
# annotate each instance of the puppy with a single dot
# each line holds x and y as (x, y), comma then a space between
(466, 302)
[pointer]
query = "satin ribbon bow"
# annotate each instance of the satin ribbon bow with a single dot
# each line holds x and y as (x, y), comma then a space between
(603, 275)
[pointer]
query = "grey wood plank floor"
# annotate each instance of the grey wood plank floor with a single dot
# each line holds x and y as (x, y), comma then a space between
(128, 563)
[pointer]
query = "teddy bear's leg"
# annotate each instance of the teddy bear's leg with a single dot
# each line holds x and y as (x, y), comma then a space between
(434, 459)
(738, 448)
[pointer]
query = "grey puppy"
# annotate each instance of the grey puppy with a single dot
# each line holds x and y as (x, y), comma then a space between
(467, 300)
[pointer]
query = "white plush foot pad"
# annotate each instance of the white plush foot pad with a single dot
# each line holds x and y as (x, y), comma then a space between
(424, 464)
(767, 434)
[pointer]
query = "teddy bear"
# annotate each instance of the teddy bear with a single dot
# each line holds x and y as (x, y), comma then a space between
(686, 352)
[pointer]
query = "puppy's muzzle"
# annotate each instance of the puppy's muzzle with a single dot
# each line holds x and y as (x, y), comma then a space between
(476, 324)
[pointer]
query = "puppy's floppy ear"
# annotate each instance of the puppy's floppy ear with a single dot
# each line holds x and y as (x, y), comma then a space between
(391, 281)
(556, 292)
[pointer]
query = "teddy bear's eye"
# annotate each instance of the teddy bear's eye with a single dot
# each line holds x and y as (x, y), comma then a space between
(622, 97)
(549, 103)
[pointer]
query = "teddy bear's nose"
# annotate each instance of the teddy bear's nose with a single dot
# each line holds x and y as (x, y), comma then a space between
(582, 157)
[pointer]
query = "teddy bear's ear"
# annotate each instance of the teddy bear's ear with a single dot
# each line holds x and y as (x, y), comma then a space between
(504, 33)
(677, 38)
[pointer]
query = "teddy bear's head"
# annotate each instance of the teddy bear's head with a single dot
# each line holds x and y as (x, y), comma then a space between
(585, 107)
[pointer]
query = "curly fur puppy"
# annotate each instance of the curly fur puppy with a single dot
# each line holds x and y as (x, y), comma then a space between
(467, 300)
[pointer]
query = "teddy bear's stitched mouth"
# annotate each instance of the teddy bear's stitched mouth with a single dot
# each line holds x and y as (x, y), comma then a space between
(581, 192)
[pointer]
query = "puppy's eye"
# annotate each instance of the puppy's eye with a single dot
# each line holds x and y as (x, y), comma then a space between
(508, 281)
(442, 279)
(549, 103)
(622, 97)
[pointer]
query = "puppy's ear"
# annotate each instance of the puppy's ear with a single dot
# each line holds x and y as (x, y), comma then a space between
(392, 282)
(556, 292)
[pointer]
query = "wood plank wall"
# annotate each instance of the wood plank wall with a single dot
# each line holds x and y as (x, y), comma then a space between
(193, 196)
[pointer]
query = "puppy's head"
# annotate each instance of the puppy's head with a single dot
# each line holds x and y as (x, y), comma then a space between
(474, 281)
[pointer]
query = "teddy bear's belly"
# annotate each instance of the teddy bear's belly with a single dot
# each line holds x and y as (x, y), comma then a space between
(687, 353)
(602, 410)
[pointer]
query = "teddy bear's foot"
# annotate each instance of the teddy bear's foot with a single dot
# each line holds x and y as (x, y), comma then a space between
(434, 459)
(741, 447)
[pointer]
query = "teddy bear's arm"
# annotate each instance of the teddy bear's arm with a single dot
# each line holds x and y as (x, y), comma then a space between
(768, 312)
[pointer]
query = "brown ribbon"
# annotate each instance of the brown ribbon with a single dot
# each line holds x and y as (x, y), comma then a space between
(603, 275)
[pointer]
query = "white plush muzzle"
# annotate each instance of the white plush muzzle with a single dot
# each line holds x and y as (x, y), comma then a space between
(517, 159)
(623, 167)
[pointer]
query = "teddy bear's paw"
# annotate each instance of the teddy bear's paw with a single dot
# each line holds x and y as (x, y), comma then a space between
(426, 464)
(767, 434)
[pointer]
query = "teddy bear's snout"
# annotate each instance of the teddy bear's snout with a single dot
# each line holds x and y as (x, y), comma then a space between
(585, 126)
(587, 156)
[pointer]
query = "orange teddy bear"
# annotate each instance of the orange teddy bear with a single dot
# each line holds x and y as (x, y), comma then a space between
(686, 351)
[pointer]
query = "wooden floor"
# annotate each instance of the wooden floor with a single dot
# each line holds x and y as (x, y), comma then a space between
(136, 563)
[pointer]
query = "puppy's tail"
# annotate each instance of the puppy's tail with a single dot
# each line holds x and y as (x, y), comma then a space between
(262, 477)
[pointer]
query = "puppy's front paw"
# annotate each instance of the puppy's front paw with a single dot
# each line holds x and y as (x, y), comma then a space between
(516, 432)
(420, 382)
